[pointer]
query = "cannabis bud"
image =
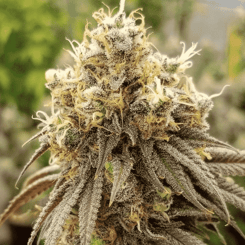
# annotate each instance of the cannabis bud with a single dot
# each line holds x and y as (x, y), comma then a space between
(127, 133)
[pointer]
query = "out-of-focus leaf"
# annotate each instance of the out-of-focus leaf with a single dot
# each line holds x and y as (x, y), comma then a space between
(4, 78)
(28, 46)
(235, 42)
(35, 83)
(36, 53)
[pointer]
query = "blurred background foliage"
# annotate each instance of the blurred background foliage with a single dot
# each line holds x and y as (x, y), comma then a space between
(32, 38)
(28, 40)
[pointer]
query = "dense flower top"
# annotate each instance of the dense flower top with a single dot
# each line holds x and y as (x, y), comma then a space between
(118, 72)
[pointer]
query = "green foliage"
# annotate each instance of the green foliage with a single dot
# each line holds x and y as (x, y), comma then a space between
(96, 241)
(109, 167)
(166, 194)
(29, 30)
(42, 242)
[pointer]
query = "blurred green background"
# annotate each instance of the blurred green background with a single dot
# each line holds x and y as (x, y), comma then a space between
(32, 38)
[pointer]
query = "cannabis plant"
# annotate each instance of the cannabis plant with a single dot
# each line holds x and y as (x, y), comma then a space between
(127, 133)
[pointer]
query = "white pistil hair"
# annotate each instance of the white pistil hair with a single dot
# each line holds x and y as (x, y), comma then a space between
(122, 6)
(158, 93)
(216, 95)
(76, 53)
(186, 55)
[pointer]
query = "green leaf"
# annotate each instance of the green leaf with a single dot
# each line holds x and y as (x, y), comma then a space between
(4, 78)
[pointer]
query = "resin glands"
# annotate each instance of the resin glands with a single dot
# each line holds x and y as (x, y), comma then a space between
(127, 132)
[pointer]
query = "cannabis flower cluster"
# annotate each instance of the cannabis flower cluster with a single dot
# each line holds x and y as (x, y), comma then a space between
(128, 136)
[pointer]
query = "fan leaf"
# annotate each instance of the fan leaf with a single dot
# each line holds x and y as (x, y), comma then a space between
(41, 150)
(121, 171)
(54, 200)
(106, 144)
(33, 190)
(88, 208)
